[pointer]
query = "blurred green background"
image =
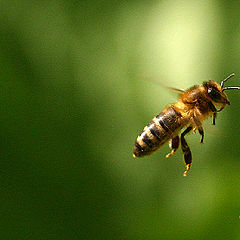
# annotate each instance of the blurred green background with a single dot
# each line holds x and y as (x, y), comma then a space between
(77, 87)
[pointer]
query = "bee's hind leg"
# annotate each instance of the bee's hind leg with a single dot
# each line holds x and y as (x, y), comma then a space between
(186, 151)
(173, 145)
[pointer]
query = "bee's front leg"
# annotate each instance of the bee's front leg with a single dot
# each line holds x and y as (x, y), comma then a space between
(214, 110)
(199, 127)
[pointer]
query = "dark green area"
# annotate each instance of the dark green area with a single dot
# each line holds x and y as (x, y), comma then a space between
(77, 88)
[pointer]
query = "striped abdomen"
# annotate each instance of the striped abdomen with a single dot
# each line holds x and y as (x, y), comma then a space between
(160, 130)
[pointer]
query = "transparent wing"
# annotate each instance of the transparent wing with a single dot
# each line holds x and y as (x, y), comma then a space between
(176, 90)
(160, 83)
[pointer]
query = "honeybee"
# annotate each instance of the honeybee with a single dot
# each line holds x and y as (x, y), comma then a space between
(193, 106)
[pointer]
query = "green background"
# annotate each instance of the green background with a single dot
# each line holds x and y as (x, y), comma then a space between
(78, 84)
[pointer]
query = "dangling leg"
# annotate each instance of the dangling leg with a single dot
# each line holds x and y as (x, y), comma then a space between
(214, 110)
(173, 144)
(186, 151)
(199, 127)
(214, 117)
(201, 132)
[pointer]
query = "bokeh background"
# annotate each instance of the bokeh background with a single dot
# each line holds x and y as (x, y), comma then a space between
(79, 81)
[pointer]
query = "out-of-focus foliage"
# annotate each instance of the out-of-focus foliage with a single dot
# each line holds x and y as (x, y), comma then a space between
(77, 88)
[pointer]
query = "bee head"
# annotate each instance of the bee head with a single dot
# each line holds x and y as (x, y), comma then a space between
(215, 92)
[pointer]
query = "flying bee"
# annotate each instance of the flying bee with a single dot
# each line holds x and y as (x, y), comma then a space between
(193, 106)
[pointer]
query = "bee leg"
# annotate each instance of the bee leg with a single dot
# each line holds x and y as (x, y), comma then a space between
(214, 117)
(186, 151)
(214, 110)
(201, 132)
(173, 144)
(199, 127)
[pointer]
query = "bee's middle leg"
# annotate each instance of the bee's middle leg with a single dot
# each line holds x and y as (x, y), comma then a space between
(173, 145)
(186, 151)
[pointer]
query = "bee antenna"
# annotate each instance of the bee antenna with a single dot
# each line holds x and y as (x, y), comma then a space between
(229, 88)
(222, 82)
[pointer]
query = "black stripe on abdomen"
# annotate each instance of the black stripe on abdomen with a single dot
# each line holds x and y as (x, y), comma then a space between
(138, 147)
(169, 119)
(160, 130)
(151, 139)
(163, 125)
(150, 142)
(155, 132)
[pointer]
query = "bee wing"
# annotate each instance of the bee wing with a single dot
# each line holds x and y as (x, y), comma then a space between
(176, 90)
(154, 81)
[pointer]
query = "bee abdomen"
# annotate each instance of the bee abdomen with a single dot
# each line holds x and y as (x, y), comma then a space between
(160, 130)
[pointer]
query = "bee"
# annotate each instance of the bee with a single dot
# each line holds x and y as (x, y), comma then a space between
(193, 106)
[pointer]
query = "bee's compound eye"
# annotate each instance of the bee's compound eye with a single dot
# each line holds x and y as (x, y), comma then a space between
(214, 94)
